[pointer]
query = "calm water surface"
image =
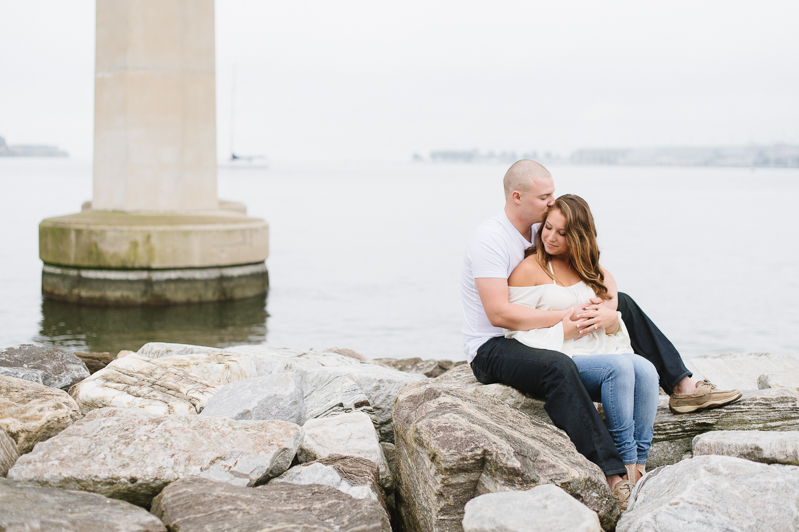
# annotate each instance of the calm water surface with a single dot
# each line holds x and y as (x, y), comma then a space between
(367, 256)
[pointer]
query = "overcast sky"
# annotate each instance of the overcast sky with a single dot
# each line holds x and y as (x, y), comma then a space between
(352, 79)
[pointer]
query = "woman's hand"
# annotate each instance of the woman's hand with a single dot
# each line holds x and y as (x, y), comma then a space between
(571, 329)
(597, 316)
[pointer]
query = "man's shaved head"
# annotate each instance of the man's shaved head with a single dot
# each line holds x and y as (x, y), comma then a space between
(521, 174)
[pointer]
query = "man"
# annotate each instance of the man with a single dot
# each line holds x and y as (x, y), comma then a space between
(493, 252)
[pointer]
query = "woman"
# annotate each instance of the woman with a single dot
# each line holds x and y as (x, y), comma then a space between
(561, 271)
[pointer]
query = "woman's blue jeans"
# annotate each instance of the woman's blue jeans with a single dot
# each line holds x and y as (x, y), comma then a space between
(627, 387)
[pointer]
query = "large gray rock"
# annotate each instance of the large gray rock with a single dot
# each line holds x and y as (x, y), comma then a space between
(462, 378)
(776, 409)
(168, 385)
(754, 445)
(59, 368)
(428, 368)
(453, 446)
(712, 493)
(32, 413)
(740, 370)
(28, 506)
(271, 397)
(348, 434)
(544, 508)
(201, 505)
(8, 453)
(132, 455)
(342, 395)
(379, 384)
(27, 374)
(355, 476)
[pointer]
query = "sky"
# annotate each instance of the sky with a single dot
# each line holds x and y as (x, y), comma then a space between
(369, 80)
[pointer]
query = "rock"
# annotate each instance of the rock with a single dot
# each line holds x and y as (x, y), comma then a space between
(428, 368)
(462, 378)
(348, 434)
(28, 506)
(60, 368)
(124, 353)
(170, 385)
(132, 455)
(545, 508)
(342, 395)
(711, 493)
(95, 361)
(776, 409)
(163, 349)
(390, 452)
(353, 475)
(754, 445)
(8, 453)
(261, 398)
(349, 353)
(378, 383)
(32, 413)
(197, 504)
(453, 445)
(740, 370)
(28, 374)
(787, 379)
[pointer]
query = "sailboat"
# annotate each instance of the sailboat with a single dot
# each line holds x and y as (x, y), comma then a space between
(240, 161)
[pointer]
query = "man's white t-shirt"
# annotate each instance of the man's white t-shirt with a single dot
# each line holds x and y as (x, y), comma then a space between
(494, 250)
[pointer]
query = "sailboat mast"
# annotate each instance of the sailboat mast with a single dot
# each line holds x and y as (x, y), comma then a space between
(232, 109)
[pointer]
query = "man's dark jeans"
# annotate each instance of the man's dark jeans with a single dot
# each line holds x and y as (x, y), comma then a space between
(553, 376)
(650, 343)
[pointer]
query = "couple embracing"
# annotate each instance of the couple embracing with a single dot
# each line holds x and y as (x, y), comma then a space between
(541, 315)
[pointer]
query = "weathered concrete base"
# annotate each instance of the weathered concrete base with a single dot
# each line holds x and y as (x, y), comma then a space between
(154, 258)
(153, 287)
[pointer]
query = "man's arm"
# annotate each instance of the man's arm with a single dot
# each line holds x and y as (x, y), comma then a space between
(501, 313)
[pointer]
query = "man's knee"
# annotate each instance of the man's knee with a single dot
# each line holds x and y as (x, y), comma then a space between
(560, 367)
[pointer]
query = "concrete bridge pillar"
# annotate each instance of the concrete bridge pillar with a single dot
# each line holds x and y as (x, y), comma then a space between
(155, 232)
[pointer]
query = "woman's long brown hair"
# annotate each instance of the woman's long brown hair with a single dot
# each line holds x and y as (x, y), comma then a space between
(581, 236)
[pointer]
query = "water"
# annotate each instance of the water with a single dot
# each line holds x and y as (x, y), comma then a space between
(367, 256)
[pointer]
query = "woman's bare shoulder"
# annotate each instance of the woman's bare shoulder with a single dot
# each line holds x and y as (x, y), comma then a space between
(528, 273)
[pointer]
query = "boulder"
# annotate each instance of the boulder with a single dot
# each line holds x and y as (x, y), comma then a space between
(379, 384)
(201, 505)
(28, 506)
(8, 453)
(95, 361)
(352, 475)
(545, 508)
(453, 445)
(740, 370)
(462, 378)
(27, 374)
(757, 446)
(342, 395)
(32, 413)
(784, 379)
(350, 353)
(348, 434)
(59, 368)
(164, 349)
(132, 455)
(711, 493)
(271, 397)
(428, 368)
(775, 409)
(169, 385)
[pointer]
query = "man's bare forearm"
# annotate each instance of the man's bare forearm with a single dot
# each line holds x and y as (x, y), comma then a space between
(521, 318)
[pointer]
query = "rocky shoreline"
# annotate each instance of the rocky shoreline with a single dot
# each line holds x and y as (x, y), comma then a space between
(181, 437)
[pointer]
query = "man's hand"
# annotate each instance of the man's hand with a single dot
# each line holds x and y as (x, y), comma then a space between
(597, 316)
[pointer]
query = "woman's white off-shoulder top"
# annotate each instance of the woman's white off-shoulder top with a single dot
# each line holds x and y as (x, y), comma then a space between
(556, 297)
